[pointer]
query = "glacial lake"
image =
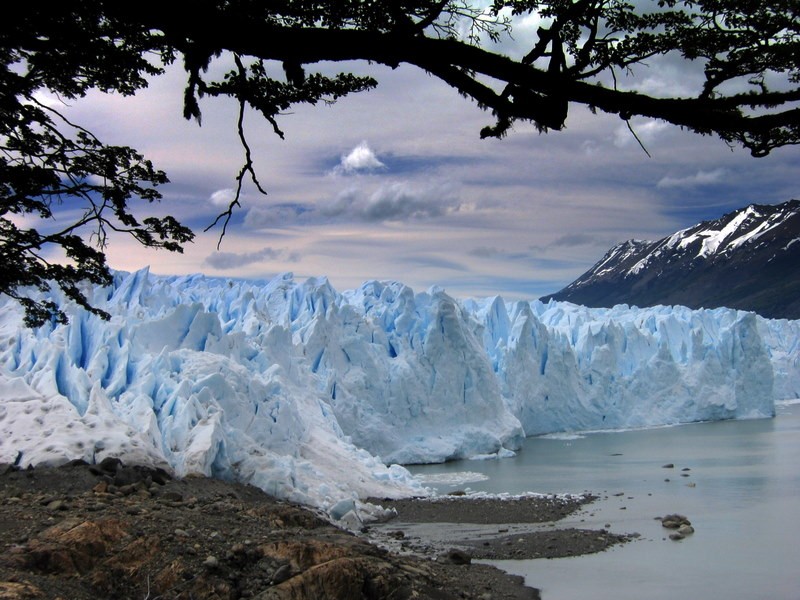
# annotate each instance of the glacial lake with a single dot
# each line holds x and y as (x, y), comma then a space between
(741, 491)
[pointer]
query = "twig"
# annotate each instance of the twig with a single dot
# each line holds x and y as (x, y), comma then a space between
(247, 167)
(636, 137)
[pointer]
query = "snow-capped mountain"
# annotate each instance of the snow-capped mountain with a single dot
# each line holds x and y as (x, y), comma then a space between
(748, 259)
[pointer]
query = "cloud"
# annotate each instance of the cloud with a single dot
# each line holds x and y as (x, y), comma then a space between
(360, 158)
(395, 201)
(222, 197)
(486, 252)
(566, 243)
(646, 131)
(698, 179)
(278, 215)
(524, 28)
(45, 99)
(492, 252)
(392, 201)
(574, 239)
(665, 76)
(590, 147)
(434, 262)
(233, 260)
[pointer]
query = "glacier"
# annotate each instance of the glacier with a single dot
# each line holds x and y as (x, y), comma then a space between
(318, 396)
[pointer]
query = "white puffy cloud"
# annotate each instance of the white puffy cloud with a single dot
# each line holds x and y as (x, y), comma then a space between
(222, 197)
(698, 179)
(360, 158)
(646, 131)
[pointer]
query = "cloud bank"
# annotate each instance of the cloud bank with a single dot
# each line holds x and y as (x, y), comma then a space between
(232, 260)
(698, 179)
(387, 202)
(394, 201)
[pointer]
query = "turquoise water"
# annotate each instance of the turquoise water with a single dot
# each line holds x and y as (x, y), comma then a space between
(741, 491)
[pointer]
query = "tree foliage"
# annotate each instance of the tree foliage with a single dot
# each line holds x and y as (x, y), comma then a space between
(747, 49)
(50, 165)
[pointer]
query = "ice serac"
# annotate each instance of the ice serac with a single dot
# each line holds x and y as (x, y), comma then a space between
(782, 339)
(410, 381)
(565, 367)
(310, 394)
(198, 375)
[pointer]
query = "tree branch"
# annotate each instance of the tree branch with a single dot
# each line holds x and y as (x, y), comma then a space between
(247, 167)
(267, 39)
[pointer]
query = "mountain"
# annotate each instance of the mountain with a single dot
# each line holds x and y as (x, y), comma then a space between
(749, 259)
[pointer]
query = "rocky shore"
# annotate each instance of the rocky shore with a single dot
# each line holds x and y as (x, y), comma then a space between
(490, 528)
(82, 532)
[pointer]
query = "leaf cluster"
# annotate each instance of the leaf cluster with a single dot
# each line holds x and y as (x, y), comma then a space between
(62, 190)
(748, 50)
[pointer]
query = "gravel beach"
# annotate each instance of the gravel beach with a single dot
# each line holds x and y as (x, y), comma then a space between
(82, 532)
(493, 528)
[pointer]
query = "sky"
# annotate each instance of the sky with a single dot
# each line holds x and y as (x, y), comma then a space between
(396, 184)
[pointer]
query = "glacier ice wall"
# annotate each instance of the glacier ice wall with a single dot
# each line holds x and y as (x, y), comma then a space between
(567, 367)
(196, 375)
(309, 393)
(782, 340)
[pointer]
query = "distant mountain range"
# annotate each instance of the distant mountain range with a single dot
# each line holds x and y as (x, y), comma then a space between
(749, 259)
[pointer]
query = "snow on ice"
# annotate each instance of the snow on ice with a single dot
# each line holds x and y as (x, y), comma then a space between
(316, 396)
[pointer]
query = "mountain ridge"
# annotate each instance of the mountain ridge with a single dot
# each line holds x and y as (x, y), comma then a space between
(747, 259)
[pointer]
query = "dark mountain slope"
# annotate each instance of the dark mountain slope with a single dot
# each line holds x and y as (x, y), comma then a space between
(748, 259)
